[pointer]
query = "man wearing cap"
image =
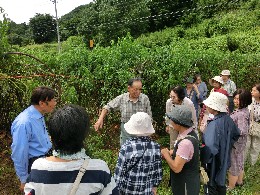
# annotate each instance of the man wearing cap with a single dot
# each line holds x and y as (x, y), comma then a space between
(192, 92)
(230, 87)
(139, 165)
(219, 136)
(184, 162)
(128, 104)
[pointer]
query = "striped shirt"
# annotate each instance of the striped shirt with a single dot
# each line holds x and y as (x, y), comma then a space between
(146, 174)
(57, 178)
(128, 107)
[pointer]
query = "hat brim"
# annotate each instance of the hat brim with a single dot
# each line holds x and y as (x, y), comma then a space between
(214, 106)
(211, 82)
(178, 122)
(132, 130)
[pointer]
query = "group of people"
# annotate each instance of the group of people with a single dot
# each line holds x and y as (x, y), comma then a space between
(51, 158)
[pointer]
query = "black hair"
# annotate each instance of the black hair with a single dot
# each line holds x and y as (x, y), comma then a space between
(179, 90)
(42, 93)
(245, 97)
(68, 128)
(196, 77)
(130, 81)
(257, 86)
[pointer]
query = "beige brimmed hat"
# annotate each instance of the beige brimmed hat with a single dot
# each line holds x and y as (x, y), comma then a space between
(217, 101)
(225, 72)
(140, 124)
(216, 78)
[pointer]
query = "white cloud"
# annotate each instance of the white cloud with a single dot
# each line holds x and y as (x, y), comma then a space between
(21, 11)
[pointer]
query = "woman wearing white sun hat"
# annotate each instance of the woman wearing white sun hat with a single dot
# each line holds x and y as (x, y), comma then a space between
(219, 136)
(139, 164)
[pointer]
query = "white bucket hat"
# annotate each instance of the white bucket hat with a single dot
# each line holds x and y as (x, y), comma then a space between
(217, 101)
(225, 72)
(216, 78)
(140, 124)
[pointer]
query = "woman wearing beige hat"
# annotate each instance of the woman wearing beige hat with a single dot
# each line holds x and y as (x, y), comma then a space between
(230, 87)
(216, 82)
(219, 136)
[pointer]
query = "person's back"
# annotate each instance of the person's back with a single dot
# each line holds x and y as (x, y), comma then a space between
(219, 136)
(56, 174)
(57, 178)
(139, 166)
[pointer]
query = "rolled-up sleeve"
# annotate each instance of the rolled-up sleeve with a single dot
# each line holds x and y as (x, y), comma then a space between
(114, 104)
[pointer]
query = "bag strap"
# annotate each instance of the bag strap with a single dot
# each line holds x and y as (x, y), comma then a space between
(82, 171)
(252, 113)
(138, 159)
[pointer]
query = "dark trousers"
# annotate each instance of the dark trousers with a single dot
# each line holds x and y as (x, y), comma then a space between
(31, 160)
(214, 190)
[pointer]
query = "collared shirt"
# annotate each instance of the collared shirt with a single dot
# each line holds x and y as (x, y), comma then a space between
(220, 135)
(230, 87)
(202, 87)
(128, 107)
(186, 101)
(195, 98)
(146, 174)
(30, 139)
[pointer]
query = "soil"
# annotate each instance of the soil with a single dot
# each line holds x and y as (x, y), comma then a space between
(9, 183)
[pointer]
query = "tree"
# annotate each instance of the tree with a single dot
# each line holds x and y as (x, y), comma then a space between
(43, 27)
(3, 31)
(19, 34)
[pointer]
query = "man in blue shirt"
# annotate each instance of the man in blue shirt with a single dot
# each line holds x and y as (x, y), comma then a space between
(29, 133)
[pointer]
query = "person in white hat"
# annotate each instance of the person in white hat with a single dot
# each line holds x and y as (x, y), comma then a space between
(216, 82)
(230, 87)
(219, 136)
(184, 159)
(139, 165)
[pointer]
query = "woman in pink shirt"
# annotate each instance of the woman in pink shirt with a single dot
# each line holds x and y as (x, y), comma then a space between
(184, 159)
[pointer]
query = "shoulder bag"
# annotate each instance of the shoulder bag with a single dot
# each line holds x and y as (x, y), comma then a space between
(254, 129)
(82, 171)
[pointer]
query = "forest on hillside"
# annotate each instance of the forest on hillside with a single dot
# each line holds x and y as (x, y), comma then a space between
(106, 20)
(163, 42)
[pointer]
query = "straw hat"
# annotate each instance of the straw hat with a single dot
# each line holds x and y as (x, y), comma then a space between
(217, 101)
(181, 115)
(216, 78)
(225, 72)
(140, 124)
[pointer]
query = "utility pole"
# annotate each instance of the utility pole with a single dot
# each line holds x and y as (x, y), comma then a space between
(57, 23)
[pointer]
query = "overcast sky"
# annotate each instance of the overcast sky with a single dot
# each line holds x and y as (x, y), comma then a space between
(21, 11)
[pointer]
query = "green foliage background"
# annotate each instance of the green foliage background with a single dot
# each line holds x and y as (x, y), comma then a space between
(90, 78)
